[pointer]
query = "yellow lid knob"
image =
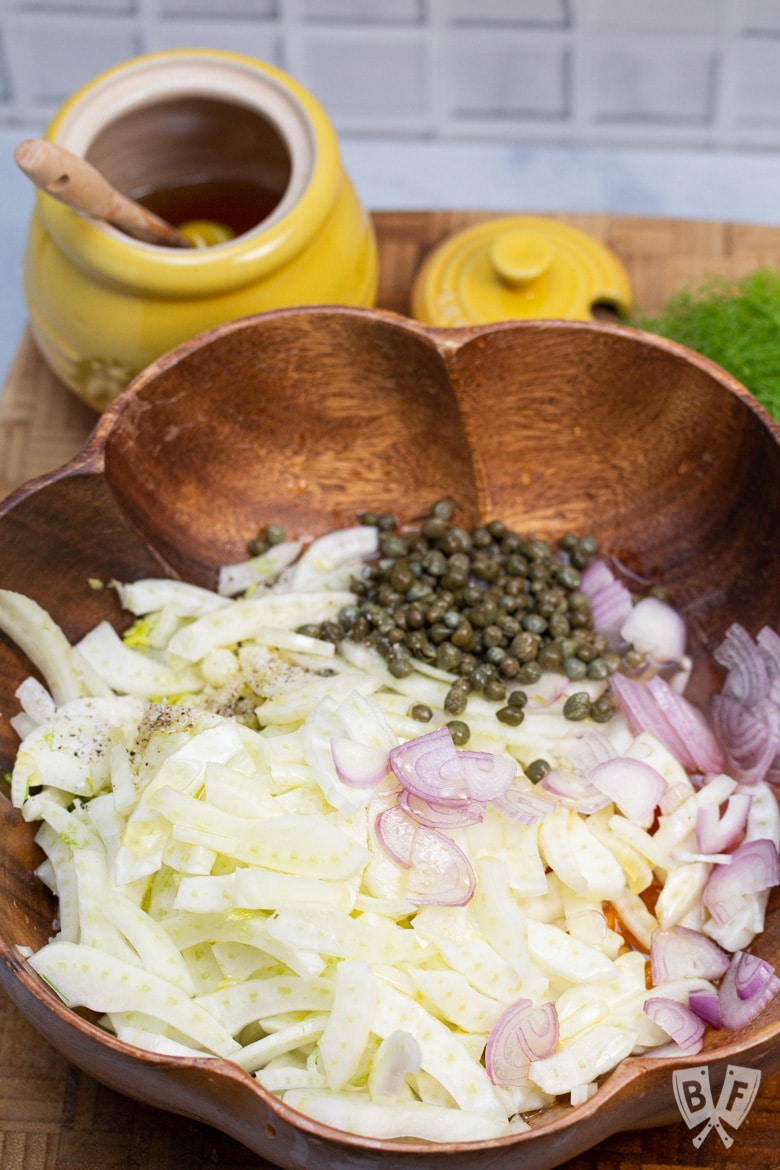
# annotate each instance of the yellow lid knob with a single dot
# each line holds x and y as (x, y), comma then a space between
(517, 255)
(518, 267)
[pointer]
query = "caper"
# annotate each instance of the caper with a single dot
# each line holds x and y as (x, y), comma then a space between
(534, 623)
(529, 673)
(511, 716)
(537, 770)
(439, 633)
(577, 706)
(359, 630)
(508, 667)
(574, 668)
(517, 698)
(417, 591)
(550, 656)
(275, 534)
(421, 713)
(399, 666)
(331, 632)
(460, 732)
(434, 527)
(524, 647)
(456, 700)
(401, 577)
(602, 709)
(559, 625)
(495, 690)
(448, 656)
(393, 546)
(463, 636)
(538, 550)
(485, 569)
(598, 669)
(516, 565)
(479, 677)
(492, 637)
(569, 577)
(586, 651)
(485, 604)
(443, 509)
(455, 540)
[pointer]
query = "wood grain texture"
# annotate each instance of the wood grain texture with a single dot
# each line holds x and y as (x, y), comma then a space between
(42, 424)
(53, 1117)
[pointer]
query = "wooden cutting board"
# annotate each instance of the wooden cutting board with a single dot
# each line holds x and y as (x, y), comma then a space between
(52, 1117)
(42, 424)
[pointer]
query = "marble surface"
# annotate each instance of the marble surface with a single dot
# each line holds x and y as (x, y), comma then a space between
(392, 174)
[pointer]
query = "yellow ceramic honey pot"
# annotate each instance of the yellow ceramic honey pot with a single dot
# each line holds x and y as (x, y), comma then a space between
(167, 127)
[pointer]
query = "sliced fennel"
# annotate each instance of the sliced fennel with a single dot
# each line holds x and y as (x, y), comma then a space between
(223, 890)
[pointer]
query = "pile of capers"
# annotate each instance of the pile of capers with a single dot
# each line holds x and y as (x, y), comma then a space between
(490, 606)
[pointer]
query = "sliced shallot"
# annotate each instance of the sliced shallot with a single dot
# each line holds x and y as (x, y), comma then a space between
(440, 873)
(750, 736)
(754, 867)
(429, 767)
(359, 765)
(656, 629)
(634, 786)
(574, 791)
(521, 1033)
(610, 600)
(735, 1011)
(643, 714)
(678, 952)
(751, 974)
(747, 678)
(441, 816)
(679, 1022)
(706, 1004)
(689, 724)
(487, 775)
(717, 832)
(525, 804)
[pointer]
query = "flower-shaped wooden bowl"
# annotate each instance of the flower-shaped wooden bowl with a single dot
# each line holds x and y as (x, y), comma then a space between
(306, 417)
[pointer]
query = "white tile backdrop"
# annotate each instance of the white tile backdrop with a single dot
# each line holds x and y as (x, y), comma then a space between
(654, 73)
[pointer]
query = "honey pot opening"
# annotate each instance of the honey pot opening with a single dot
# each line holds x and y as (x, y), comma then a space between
(197, 158)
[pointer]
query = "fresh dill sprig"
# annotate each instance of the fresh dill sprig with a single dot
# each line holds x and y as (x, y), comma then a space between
(736, 323)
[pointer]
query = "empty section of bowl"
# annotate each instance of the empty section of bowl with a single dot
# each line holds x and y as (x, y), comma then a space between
(298, 419)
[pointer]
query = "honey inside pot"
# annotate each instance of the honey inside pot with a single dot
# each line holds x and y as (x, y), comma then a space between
(212, 211)
(212, 169)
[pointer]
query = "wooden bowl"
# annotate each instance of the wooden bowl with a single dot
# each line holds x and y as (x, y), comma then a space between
(306, 417)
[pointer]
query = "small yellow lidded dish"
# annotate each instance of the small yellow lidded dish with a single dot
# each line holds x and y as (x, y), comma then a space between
(163, 128)
(517, 267)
